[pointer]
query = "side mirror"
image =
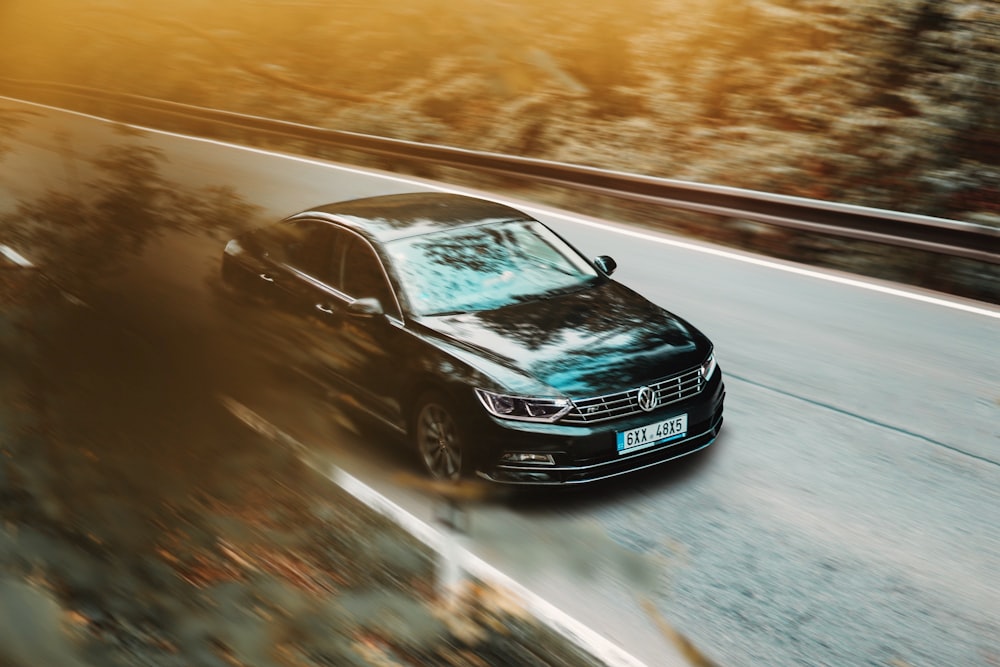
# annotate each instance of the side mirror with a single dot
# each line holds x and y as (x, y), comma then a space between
(367, 307)
(606, 264)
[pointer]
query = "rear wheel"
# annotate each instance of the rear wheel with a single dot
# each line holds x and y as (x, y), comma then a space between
(438, 438)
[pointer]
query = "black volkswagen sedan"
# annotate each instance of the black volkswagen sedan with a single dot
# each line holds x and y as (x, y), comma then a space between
(484, 338)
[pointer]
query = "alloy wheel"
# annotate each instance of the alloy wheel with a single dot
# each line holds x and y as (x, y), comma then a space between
(439, 441)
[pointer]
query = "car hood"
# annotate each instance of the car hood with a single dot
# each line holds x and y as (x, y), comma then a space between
(599, 340)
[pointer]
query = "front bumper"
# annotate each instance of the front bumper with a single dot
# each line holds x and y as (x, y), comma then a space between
(588, 454)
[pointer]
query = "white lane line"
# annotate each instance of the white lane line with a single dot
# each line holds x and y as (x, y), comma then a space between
(859, 283)
(446, 547)
(781, 266)
(15, 257)
(452, 555)
(595, 644)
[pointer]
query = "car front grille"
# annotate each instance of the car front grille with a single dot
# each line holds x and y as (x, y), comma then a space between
(625, 403)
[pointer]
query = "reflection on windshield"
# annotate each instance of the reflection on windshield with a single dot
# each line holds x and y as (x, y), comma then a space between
(485, 267)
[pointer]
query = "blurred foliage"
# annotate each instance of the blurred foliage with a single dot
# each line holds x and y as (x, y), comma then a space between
(79, 237)
(889, 103)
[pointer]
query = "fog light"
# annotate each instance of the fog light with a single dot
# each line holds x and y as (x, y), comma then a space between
(528, 457)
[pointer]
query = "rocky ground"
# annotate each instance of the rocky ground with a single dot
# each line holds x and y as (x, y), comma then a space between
(143, 525)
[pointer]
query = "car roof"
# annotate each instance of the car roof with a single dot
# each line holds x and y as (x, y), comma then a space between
(387, 217)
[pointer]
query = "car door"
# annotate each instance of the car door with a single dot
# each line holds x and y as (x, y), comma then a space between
(282, 257)
(311, 260)
(373, 345)
(308, 276)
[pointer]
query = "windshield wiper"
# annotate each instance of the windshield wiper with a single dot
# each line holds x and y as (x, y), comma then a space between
(562, 291)
(450, 312)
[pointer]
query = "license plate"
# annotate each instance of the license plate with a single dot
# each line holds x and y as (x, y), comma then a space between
(644, 436)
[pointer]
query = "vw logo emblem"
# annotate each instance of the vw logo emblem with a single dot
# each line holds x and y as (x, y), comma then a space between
(646, 399)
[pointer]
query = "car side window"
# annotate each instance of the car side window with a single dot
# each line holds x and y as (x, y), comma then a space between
(330, 270)
(303, 244)
(363, 275)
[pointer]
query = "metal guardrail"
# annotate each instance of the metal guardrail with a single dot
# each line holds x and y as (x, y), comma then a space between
(938, 235)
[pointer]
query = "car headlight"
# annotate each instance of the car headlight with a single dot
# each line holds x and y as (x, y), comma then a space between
(522, 407)
(708, 367)
(233, 248)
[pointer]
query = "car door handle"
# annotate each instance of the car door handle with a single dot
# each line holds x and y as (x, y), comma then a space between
(324, 308)
(267, 277)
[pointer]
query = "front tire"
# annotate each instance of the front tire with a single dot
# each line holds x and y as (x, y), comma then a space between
(438, 438)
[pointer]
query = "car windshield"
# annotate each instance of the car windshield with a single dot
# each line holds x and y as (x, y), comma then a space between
(486, 266)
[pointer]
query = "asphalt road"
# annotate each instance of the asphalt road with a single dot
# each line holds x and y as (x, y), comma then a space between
(848, 515)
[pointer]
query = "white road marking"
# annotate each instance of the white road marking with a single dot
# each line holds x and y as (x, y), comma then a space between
(859, 283)
(595, 644)
(15, 257)
(447, 547)
(787, 267)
